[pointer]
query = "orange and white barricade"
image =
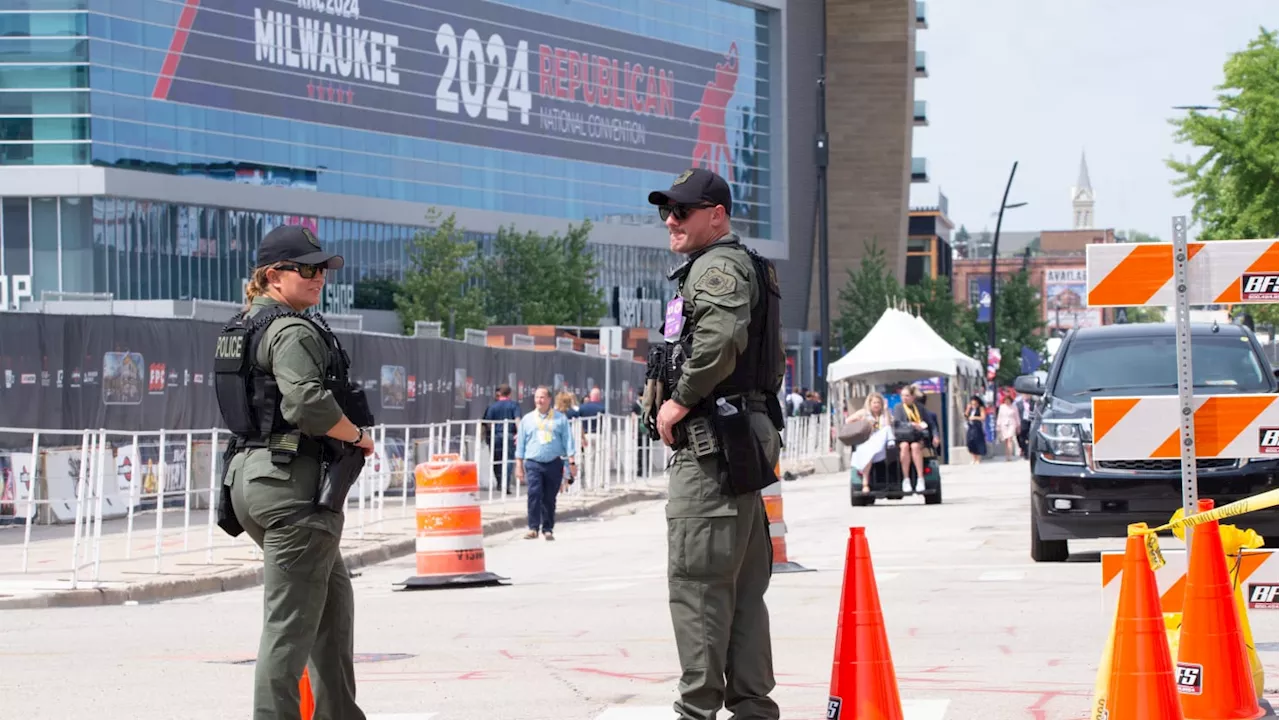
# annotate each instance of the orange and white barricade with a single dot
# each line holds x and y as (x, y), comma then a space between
(778, 530)
(450, 534)
(1218, 272)
(1226, 426)
(1259, 577)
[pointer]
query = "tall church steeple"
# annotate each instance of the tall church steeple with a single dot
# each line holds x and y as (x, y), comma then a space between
(1082, 199)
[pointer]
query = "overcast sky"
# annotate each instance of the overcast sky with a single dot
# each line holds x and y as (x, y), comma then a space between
(1040, 81)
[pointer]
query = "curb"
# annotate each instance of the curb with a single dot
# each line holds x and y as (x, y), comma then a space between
(172, 589)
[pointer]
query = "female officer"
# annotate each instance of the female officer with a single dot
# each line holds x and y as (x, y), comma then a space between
(308, 602)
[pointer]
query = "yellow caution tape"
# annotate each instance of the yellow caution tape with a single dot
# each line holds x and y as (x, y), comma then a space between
(1268, 499)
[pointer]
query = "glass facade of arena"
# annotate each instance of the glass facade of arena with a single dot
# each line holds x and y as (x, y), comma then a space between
(88, 77)
(141, 250)
(536, 108)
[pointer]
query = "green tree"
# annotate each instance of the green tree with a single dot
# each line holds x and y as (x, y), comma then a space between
(1235, 181)
(443, 282)
(933, 302)
(1018, 324)
(534, 279)
(1137, 236)
(869, 291)
(963, 242)
(376, 293)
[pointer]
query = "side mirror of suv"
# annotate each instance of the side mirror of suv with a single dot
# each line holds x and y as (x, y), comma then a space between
(1028, 385)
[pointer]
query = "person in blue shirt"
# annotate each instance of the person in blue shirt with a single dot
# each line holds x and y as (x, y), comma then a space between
(500, 434)
(543, 443)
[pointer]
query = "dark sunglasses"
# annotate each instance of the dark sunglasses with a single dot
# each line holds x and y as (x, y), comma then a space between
(681, 212)
(306, 272)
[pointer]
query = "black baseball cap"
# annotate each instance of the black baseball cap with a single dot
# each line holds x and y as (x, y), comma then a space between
(694, 187)
(295, 243)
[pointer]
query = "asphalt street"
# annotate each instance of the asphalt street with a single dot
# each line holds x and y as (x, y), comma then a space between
(977, 630)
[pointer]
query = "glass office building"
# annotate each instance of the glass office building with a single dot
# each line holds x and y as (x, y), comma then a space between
(147, 145)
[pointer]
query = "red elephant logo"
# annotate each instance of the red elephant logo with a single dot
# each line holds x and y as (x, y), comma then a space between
(713, 142)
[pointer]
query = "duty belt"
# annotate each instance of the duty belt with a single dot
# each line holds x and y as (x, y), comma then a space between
(283, 446)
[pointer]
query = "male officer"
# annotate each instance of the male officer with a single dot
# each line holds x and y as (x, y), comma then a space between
(281, 384)
(719, 561)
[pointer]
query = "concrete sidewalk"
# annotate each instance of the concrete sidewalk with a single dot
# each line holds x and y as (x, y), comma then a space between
(191, 560)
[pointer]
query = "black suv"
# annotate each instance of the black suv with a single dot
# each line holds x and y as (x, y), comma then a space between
(1072, 495)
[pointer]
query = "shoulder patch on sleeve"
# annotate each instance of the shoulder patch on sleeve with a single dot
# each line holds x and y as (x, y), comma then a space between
(715, 282)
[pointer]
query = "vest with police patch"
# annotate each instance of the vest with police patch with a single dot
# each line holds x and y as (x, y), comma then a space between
(756, 368)
(248, 396)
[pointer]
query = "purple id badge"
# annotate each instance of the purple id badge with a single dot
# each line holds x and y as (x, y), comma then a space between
(675, 320)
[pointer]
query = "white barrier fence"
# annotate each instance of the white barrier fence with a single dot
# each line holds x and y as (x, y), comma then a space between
(808, 437)
(156, 492)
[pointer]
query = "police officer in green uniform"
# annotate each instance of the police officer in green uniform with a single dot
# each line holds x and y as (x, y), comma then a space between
(281, 382)
(724, 346)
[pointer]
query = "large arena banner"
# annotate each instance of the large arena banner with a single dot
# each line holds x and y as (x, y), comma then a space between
(465, 71)
(141, 374)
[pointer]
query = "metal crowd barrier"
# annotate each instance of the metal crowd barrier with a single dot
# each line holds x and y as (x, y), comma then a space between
(808, 437)
(55, 479)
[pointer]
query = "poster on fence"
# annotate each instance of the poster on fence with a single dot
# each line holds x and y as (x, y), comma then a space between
(141, 374)
(16, 486)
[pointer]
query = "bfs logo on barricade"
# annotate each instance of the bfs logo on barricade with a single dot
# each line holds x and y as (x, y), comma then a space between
(1189, 678)
(1269, 441)
(1260, 286)
(1264, 596)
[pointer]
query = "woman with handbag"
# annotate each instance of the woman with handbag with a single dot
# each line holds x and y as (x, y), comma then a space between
(864, 427)
(911, 432)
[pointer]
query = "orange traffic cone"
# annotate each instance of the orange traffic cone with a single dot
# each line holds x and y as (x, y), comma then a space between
(863, 682)
(1214, 676)
(1141, 686)
(307, 705)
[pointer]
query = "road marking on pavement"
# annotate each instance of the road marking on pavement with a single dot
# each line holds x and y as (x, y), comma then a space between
(924, 709)
(1002, 575)
(911, 710)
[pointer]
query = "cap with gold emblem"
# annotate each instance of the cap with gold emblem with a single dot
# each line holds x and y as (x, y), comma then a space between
(695, 186)
(295, 243)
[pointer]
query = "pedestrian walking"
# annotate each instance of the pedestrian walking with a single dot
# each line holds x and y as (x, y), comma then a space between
(500, 434)
(544, 443)
(281, 380)
(724, 321)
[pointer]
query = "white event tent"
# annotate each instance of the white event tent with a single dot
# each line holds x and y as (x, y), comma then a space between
(902, 348)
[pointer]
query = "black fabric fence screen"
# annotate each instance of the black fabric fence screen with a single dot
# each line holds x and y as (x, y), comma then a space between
(138, 374)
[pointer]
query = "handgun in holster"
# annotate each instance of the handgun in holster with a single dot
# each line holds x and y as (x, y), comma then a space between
(339, 471)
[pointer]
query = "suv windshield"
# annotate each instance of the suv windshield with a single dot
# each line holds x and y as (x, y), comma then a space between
(1223, 364)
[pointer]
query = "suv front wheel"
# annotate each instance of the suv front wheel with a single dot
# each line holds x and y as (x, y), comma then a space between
(1045, 550)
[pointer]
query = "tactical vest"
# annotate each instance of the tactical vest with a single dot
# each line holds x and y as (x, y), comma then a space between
(248, 396)
(756, 368)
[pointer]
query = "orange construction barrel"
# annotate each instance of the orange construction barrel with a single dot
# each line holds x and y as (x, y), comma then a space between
(772, 495)
(449, 544)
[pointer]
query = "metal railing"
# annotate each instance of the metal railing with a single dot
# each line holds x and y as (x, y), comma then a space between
(157, 491)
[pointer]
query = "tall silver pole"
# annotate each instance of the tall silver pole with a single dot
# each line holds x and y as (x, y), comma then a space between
(1186, 383)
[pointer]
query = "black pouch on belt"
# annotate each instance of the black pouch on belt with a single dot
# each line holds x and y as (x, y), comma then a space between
(226, 516)
(748, 469)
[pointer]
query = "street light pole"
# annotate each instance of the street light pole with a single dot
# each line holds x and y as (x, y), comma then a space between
(821, 153)
(995, 250)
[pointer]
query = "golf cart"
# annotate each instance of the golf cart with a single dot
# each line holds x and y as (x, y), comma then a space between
(886, 481)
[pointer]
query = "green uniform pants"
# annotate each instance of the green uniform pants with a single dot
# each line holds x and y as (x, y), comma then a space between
(719, 564)
(308, 604)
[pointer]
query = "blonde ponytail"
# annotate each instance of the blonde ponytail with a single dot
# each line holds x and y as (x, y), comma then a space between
(257, 286)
